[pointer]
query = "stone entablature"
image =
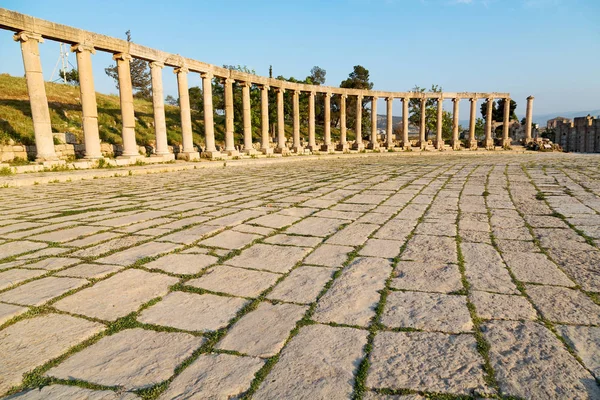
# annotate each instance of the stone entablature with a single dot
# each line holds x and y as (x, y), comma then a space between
(31, 31)
(580, 135)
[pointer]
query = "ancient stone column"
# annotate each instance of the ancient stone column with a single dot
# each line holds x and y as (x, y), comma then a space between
(439, 141)
(248, 149)
(209, 124)
(281, 147)
(374, 143)
(422, 126)
(188, 152)
(91, 136)
(506, 124)
(405, 142)
(296, 146)
(229, 140)
(472, 122)
(130, 148)
(40, 113)
(158, 103)
(529, 119)
(455, 112)
(264, 109)
(390, 122)
(489, 140)
(343, 146)
(358, 144)
(327, 146)
(312, 143)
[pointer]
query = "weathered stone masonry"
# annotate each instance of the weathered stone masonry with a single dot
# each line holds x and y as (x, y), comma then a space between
(580, 135)
(30, 32)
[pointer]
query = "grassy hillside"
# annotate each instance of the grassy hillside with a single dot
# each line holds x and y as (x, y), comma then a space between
(65, 114)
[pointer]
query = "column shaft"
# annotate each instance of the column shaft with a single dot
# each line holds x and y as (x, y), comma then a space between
(455, 123)
(158, 103)
(40, 113)
(312, 143)
(343, 134)
(489, 140)
(187, 139)
(327, 123)
(405, 141)
(281, 147)
(358, 144)
(422, 125)
(247, 117)
(506, 124)
(296, 105)
(130, 148)
(264, 109)
(209, 124)
(439, 141)
(374, 142)
(91, 135)
(529, 119)
(390, 122)
(229, 140)
(472, 122)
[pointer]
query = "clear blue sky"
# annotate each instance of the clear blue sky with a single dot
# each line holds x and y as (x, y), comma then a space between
(546, 48)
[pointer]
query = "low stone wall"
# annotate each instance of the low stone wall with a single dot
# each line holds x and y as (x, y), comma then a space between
(9, 153)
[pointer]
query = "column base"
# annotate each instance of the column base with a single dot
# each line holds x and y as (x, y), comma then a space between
(439, 145)
(129, 157)
(267, 150)
(456, 145)
(342, 147)
(389, 146)
(93, 157)
(358, 146)
(282, 150)
(165, 156)
(489, 144)
(506, 143)
(373, 146)
(232, 153)
(298, 149)
(251, 152)
(313, 148)
(473, 145)
(328, 148)
(405, 145)
(422, 144)
(188, 156)
(211, 155)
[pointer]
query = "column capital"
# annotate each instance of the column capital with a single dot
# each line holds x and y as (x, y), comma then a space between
(279, 89)
(80, 48)
(530, 98)
(328, 94)
(359, 96)
(374, 98)
(440, 99)
(312, 93)
(456, 99)
(406, 99)
(206, 75)
(246, 84)
(423, 99)
(473, 100)
(228, 81)
(343, 96)
(265, 87)
(390, 98)
(157, 64)
(24, 36)
(121, 56)
(507, 99)
(181, 70)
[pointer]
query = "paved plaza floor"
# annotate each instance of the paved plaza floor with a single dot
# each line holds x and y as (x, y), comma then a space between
(376, 277)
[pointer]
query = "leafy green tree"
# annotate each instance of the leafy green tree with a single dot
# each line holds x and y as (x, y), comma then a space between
(196, 99)
(71, 77)
(357, 79)
(498, 110)
(141, 80)
(414, 107)
(479, 129)
(172, 101)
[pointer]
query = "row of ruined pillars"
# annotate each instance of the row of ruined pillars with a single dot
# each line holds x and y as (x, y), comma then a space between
(45, 144)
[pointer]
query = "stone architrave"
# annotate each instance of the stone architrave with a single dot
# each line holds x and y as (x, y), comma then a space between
(158, 103)
(358, 143)
(209, 124)
(130, 149)
(472, 121)
(327, 146)
(455, 123)
(40, 113)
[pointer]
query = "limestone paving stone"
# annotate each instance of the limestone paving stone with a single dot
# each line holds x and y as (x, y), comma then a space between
(66, 235)
(318, 363)
(190, 235)
(230, 240)
(354, 234)
(64, 392)
(11, 277)
(111, 245)
(349, 215)
(49, 251)
(118, 295)
(9, 311)
(133, 358)
(485, 269)
(313, 226)
(377, 396)
(535, 268)
(502, 306)
(259, 230)
(585, 341)
(38, 292)
(214, 376)
(425, 277)
(523, 246)
(184, 264)
(193, 312)
(235, 218)
(395, 229)
(35, 341)
(131, 219)
(268, 257)
(302, 285)
(352, 298)
(263, 332)
(427, 311)
(329, 255)
(235, 281)
(530, 362)
(89, 271)
(276, 220)
(133, 254)
(431, 249)
(292, 240)
(564, 305)
(53, 263)
(446, 363)
(93, 239)
(381, 248)
(19, 247)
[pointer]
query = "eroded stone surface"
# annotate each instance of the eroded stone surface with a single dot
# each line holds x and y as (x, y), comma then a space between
(64, 392)
(185, 264)
(235, 281)
(425, 277)
(564, 305)
(502, 306)
(269, 257)
(585, 341)
(302, 285)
